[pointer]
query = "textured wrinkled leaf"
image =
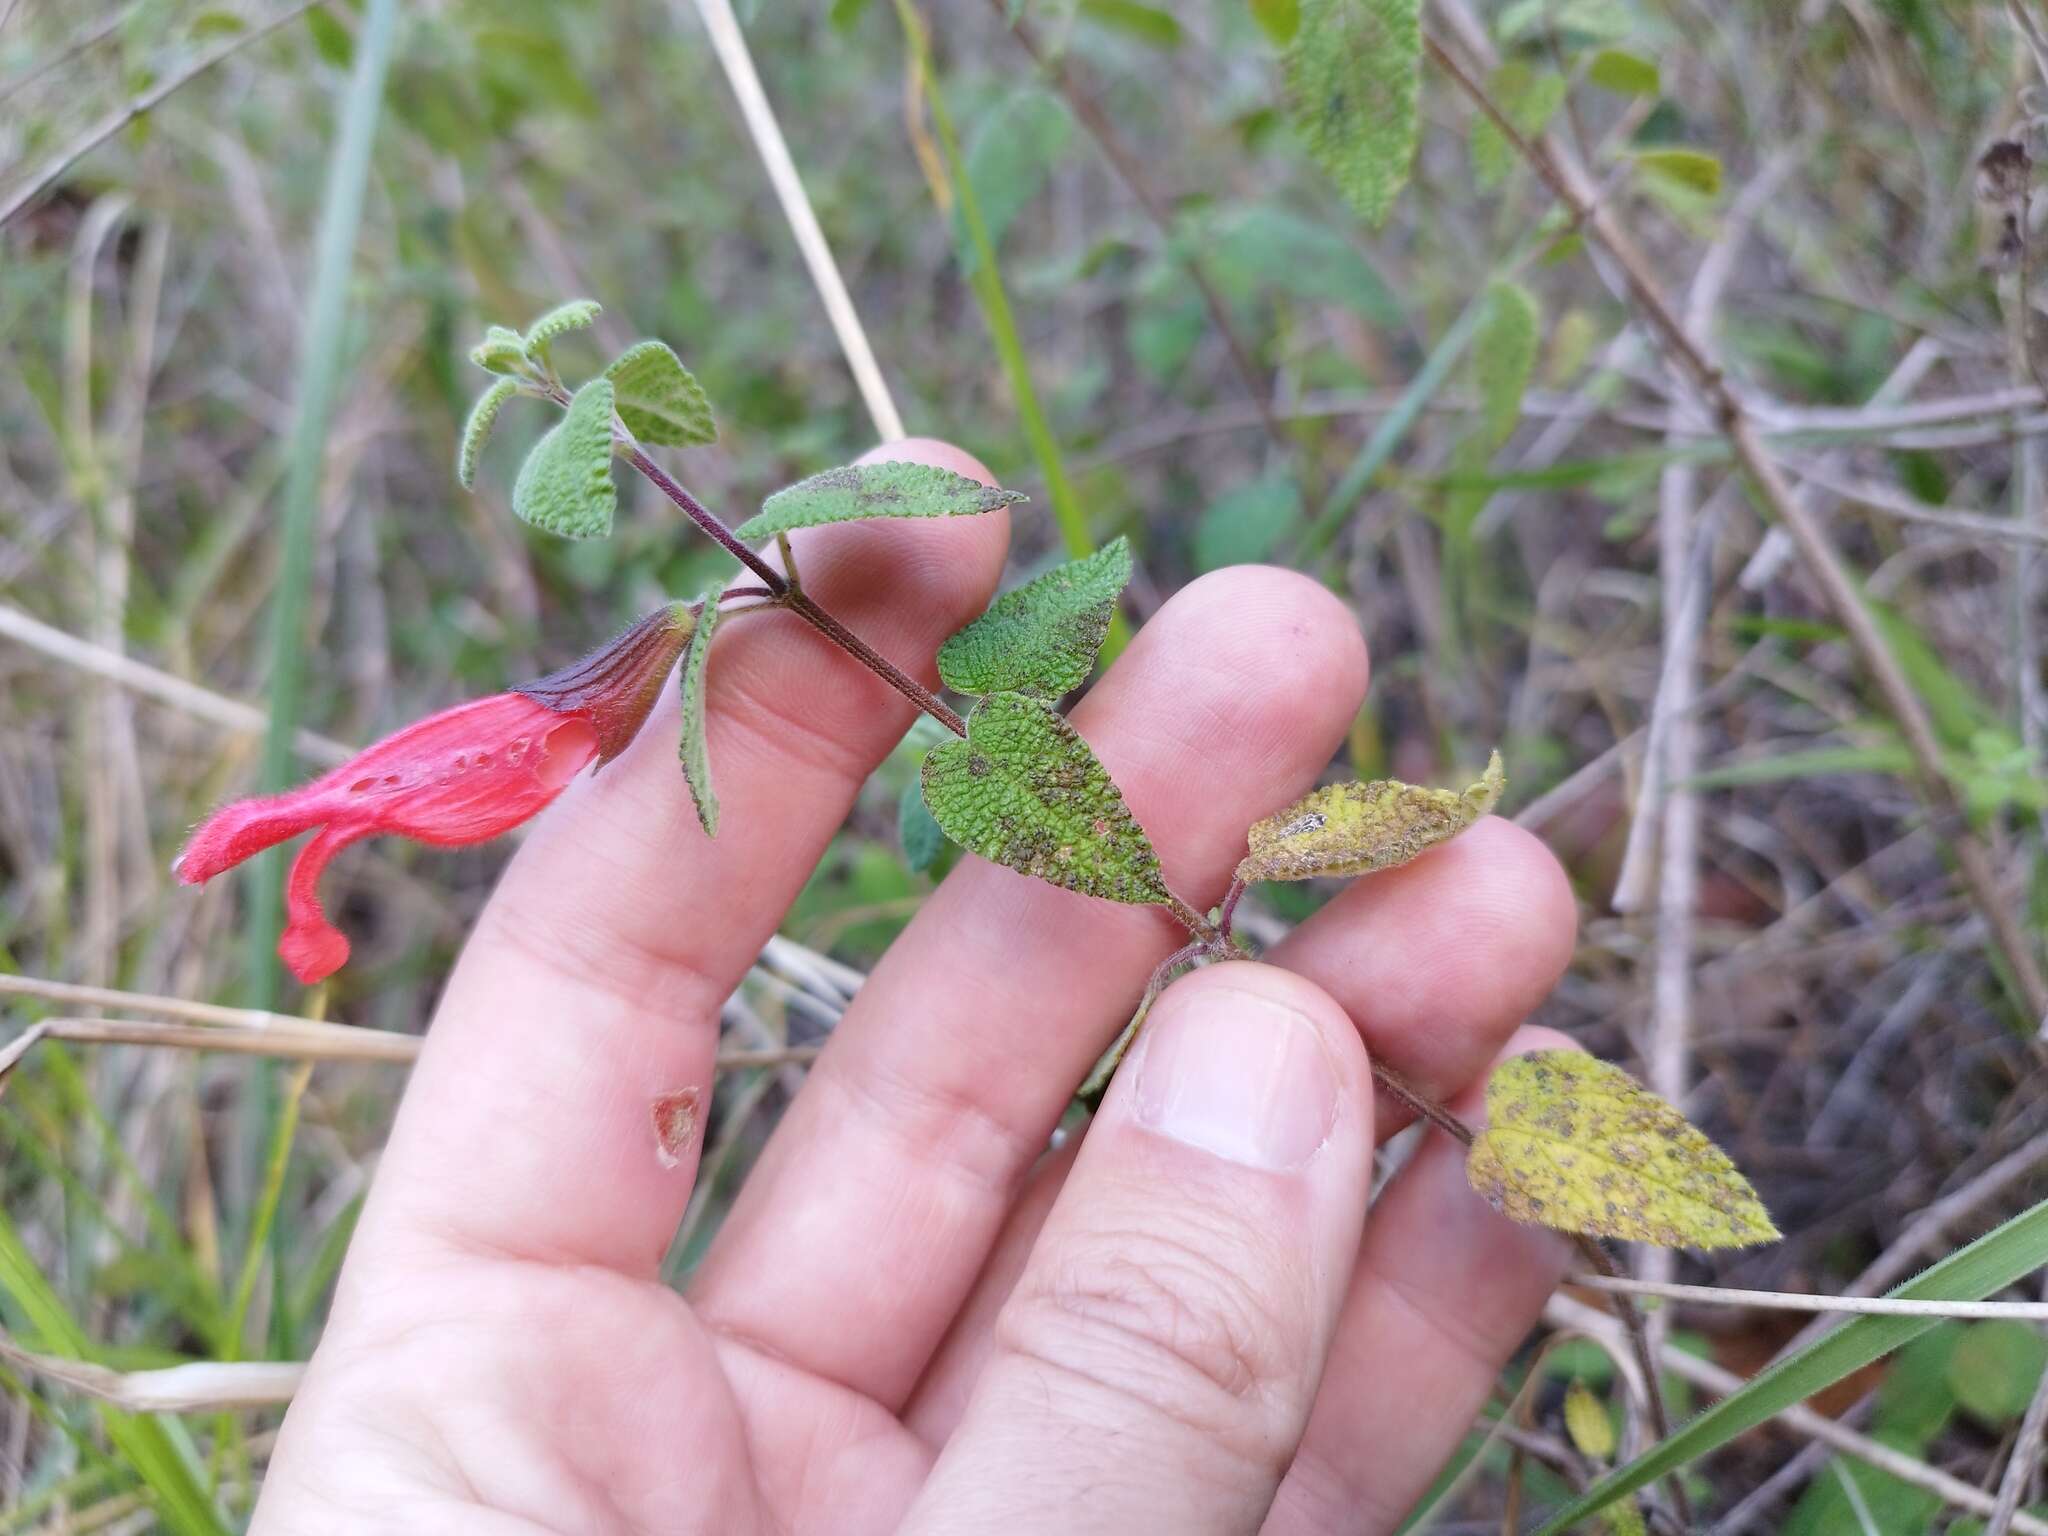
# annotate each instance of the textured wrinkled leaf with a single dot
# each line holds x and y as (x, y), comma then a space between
(1503, 357)
(1528, 98)
(477, 430)
(874, 490)
(1041, 638)
(501, 351)
(1995, 1368)
(1353, 76)
(1354, 829)
(1278, 19)
(565, 486)
(922, 837)
(1625, 73)
(1024, 791)
(658, 399)
(695, 750)
(1586, 1421)
(559, 321)
(1693, 169)
(1574, 1143)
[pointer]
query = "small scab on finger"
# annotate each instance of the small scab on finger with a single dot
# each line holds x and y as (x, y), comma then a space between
(675, 1125)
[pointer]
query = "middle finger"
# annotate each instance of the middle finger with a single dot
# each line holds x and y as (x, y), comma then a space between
(878, 1198)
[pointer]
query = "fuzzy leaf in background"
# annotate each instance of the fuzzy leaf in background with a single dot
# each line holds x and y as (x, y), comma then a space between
(565, 486)
(1355, 829)
(1042, 638)
(1353, 78)
(1503, 357)
(860, 491)
(1528, 98)
(1024, 791)
(922, 837)
(502, 350)
(660, 400)
(1574, 1143)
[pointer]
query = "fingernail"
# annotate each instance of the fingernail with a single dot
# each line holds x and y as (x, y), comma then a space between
(1238, 1076)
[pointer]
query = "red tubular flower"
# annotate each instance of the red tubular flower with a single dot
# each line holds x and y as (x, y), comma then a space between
(459, 777)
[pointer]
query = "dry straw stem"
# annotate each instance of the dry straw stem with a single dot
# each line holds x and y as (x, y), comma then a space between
(1124, 161)
(173, 1389)
(1563, 1312)
(45, 175)
(1793, 1301)
(151, 682)
(1569, 183)
(731, 46)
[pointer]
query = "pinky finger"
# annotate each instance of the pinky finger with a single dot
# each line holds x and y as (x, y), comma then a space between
(1444, 1292)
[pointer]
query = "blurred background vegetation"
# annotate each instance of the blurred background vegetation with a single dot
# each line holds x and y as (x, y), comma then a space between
(1234, 368)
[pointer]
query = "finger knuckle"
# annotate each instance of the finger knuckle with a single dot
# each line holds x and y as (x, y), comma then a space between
(1167, 1323)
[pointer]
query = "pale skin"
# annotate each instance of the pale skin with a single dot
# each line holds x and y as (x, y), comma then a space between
(913, 1319)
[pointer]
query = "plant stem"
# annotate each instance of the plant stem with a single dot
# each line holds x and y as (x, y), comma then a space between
(1421, 1104)
(791, 597)
(1569, 183)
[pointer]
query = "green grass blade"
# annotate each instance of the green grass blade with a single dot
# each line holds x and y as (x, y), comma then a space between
(320, 368)
(142, 1442)
(1393, 427)
(1986, 1266)
(987, 282)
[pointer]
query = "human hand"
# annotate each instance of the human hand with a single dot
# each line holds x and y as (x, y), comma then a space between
(911, 1320)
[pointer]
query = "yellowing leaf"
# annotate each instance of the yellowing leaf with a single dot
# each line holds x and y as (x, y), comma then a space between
(1354, 829)
(1024, 790)
(1693, 169)
(1586, 1421)
(1576, 1144)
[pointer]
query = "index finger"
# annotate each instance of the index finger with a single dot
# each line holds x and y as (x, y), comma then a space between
(592, 986)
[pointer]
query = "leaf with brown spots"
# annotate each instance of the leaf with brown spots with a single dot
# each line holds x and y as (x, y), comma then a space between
(1354, 829)
(1574, 1143)
(861, 491)
(1024, 790)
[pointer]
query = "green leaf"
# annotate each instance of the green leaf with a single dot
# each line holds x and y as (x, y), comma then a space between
(1024, 791)
(1015, 148)
(1528, 98)
(1625, 73)
(1278, 19)
(658, 399)
(1503, 357)
(477, 430)
(1355, 829)
(695, 749)
(1147, 23)
(1255, 251)
(559, 321)
(565, 485)
(922, 837)
(1995, 1368)
(1042, 638)
(1575, 1143)
(1248, 523)
(502, 350)
(1353, 77)
(331, 40)
(846, 14)
(861, 491)
(1693, 169)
